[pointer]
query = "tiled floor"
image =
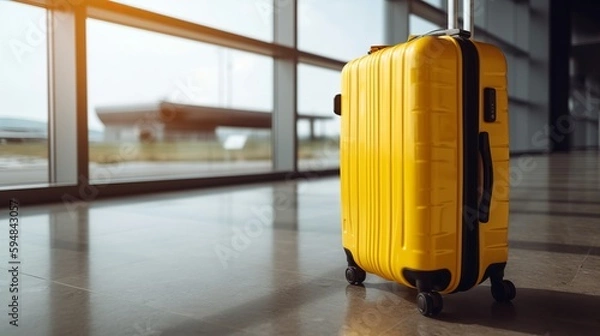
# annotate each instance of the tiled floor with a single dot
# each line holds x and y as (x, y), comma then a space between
(267, 260)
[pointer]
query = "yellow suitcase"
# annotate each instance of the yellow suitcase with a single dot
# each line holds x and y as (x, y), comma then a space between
(424, 166)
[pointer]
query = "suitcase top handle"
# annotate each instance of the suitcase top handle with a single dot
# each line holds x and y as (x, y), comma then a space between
(444, 32)
(466, 31)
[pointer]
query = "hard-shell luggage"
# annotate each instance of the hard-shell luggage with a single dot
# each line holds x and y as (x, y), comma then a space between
(424, 166)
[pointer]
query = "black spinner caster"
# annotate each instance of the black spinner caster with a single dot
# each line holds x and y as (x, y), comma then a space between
(430, 303)
(504, 291)
(355, 275)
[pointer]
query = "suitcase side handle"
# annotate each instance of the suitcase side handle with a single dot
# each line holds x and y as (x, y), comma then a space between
(337, 104)
(488, 176)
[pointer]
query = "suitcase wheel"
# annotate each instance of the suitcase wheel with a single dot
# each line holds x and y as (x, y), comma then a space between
(504, 291)
(355, 275)
(430, 303)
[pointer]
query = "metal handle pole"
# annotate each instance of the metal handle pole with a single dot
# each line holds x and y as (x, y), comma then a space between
(452, 17)
(468, 16)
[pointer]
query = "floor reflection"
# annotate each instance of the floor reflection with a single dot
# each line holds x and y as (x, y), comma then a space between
(149, 265)
(69, 231)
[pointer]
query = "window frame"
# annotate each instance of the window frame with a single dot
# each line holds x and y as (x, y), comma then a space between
(69, 181)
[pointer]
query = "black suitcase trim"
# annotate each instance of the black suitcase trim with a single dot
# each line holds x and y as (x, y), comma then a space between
(426, 281)
(470, 222)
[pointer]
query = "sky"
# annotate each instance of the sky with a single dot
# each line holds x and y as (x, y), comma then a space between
(130, 66)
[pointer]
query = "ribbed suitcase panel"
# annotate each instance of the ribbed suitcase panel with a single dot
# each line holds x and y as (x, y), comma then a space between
(432, 152)
(399, 152)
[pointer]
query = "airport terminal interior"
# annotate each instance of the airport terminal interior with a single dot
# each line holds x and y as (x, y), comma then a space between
(173, 168)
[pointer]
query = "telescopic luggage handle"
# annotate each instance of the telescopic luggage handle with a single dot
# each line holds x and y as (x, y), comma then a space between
(466, 31)
(467, 15)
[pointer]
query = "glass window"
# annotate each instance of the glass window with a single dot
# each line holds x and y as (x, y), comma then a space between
(257, 15)
(318, 127)
(24, 95)
(480, 12)
(166, 107)
(417, 25)
(501, 19)
(520, 77)
(522, 25)
(519, 141)
(340, 29)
